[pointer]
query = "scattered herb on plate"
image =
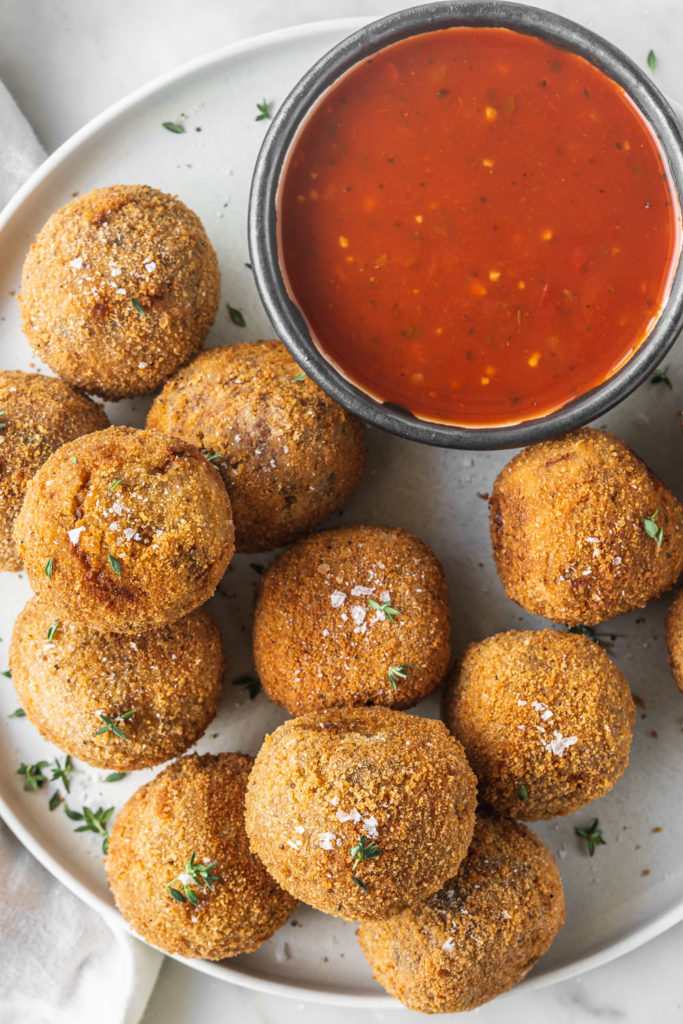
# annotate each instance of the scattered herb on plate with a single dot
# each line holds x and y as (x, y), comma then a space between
(115, 776)
(264, 111)
(33, 774)
(236, 316)
(592, 835)
(173, 126)
(59, 772)
(95, 821)
(652, 60)
(661, 376)
(18, 713)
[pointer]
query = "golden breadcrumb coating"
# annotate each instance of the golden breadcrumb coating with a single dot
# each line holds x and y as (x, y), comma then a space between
(37, 415)
(567, 529)
(170, 678)
(289, 454)
(125, 529)
(674, 638)
(481, 933)
(328, 784)
(195, 806)
(119, 289)
(321, 638)
(546, 720)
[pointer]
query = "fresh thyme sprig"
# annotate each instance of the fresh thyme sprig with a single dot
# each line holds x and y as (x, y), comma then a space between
(364, 849)
(95, 821)
(592, 835)
(264, 111)
(389, 613)
(33, 775)
(653, 530)
(661, 377)
(397, 673)
(59, 772)
(18, 713)
(111, 726)
(212, 456)
(593, 634)
(199, 874)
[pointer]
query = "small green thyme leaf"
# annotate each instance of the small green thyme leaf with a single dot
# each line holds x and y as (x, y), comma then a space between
(652, 60)
(176, 894)
(115, 564)
(33, 775)
(212, 456)
(359, 883)
(653, 530)
(52, 630)
(173, 126)
(59, 772)
(7, 674)
(137, 307)
(252, 684)
(300, 377)
(73, 815)
(597, 636)
(389, 613)
(236, 316)
(661, 377)
(248, 266)
(19, 713)
(264, 111)
(110, 724)
(55, 801)
(592, 835)
(523, 792)
(74, 460)
(397, 673)
(49, 567)
(112, 487)
(115, 776)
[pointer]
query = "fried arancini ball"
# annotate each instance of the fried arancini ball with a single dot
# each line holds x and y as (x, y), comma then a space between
(567, 529)
(160, 688)
(480, 933)
(351, 617)
(360, 811)
(38, 414)
(119, 289)
(289, 455)
(191, 816)
(125, 529)
(674, 638)
(546, 720)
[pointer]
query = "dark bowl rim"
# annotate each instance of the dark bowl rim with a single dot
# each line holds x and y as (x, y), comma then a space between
(262, 222)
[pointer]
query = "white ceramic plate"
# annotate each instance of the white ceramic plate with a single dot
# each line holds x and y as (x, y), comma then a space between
(633, 888)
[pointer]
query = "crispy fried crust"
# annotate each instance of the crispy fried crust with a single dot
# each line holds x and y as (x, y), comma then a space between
(542, 710)
(567, 529)
(323, 781)
(194, 805)
(92, 262)
(317, 641)
(170, 678)
(289, 455)
(38, 414)
(481, 933)
(674, 638)
(167, 523)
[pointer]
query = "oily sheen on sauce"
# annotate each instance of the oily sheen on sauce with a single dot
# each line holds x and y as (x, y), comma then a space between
(477, 226)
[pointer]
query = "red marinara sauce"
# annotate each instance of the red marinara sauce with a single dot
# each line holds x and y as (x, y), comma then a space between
(477, 226)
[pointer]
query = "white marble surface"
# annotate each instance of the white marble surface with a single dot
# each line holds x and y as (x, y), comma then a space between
(66, 60)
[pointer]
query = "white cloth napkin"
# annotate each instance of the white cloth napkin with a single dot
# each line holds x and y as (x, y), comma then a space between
(60, 962)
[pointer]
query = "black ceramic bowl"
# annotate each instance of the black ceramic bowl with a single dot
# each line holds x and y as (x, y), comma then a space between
(263, 239)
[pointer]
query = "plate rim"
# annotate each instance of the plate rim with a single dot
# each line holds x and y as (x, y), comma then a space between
(223, 970)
